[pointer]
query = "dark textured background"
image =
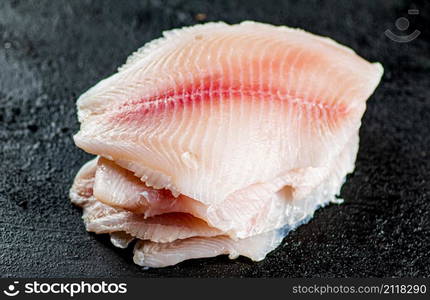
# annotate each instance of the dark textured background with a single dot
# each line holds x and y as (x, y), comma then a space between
(52, 51)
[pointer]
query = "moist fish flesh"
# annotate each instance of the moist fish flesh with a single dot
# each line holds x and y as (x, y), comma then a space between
(219, 139)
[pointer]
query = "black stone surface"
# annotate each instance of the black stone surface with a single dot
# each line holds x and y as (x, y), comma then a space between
(52, 51)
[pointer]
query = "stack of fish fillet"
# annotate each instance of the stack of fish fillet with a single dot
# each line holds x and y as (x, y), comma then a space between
(219, 139)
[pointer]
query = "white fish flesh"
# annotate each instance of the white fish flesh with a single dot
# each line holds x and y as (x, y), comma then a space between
(219, 139)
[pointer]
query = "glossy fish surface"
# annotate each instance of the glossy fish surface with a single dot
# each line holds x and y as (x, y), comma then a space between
(219, 139)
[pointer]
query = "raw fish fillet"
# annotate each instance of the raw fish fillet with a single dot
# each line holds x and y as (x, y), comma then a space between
(158, 239)
(219, 139)
(152, 254)
(101, 218)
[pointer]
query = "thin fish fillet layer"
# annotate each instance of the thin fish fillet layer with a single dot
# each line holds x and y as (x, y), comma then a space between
(101, 218)
(157, 244)
(243, 129)
(167, 246)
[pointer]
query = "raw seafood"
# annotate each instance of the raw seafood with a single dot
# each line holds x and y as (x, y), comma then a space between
(219, 139)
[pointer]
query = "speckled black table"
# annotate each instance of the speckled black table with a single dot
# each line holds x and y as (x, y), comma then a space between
(52, 51)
